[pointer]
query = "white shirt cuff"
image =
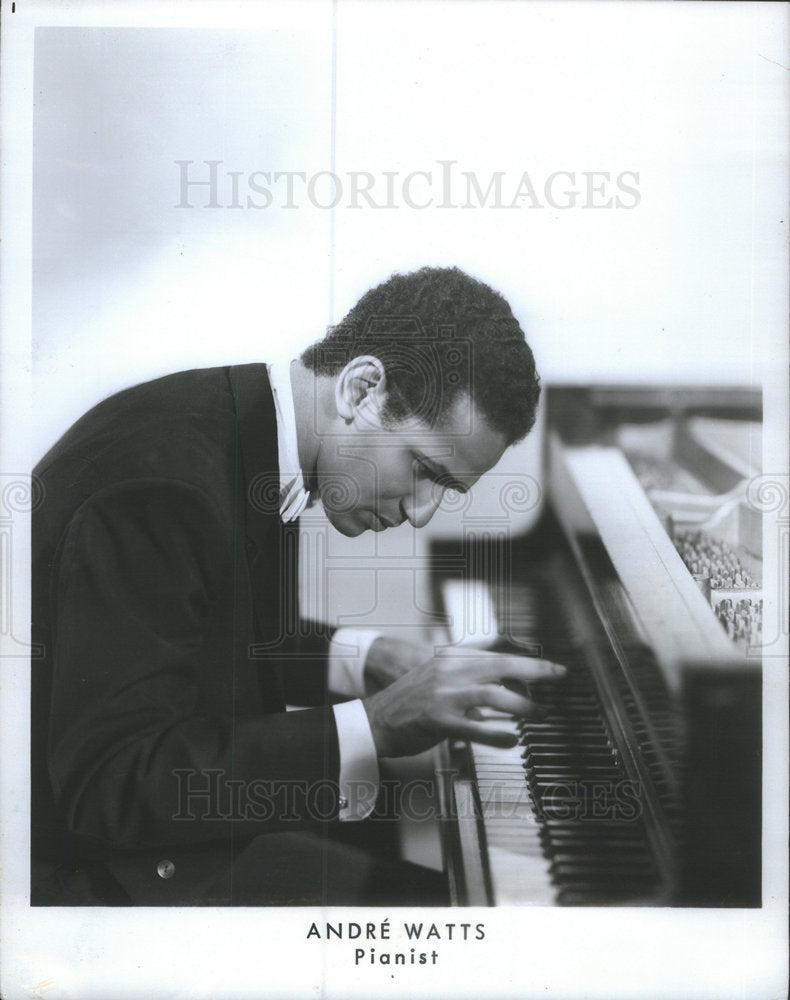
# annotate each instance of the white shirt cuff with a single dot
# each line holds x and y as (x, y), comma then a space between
(348, 650)
(359, 766)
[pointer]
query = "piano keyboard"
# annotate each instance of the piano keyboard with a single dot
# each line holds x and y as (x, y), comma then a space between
(588, 808)
(558, 819)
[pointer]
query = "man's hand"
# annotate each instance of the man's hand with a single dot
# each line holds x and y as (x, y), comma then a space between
(389, 658)
(442, 697)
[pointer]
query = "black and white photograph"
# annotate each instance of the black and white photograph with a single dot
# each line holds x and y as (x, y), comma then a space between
(395, 505)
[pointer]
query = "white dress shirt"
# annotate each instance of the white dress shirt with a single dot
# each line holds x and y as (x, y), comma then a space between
(359, 770)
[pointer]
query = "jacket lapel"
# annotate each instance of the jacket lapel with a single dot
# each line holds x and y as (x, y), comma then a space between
(259, 531)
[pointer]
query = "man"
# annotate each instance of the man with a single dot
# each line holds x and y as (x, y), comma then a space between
(165, 767)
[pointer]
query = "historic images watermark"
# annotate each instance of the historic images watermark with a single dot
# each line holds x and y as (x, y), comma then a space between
(216, 184)
(769, 496)
(20, 495)
(213, 795)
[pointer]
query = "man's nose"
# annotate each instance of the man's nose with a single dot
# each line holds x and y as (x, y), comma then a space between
(422, 505)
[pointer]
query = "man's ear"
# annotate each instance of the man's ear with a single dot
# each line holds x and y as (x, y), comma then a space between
(360, 390)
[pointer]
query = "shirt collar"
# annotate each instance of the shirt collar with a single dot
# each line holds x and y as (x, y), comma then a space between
(293, 496)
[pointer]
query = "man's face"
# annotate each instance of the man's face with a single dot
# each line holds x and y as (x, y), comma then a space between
(374, 475)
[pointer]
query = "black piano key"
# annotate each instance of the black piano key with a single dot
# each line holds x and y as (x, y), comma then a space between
(634, 853)
(575, 744)
(606, 869)
(591, 832)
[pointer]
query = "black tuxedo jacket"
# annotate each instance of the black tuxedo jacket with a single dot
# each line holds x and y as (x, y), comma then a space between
(160, 744)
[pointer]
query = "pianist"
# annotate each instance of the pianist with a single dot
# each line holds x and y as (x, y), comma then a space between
(165, 768)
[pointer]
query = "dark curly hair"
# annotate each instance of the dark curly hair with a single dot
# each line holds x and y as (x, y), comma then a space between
(439, 334)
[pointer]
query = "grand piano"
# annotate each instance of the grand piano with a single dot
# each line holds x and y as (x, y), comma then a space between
(641, 782)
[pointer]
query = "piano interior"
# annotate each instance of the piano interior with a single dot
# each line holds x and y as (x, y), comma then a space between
(641, 783)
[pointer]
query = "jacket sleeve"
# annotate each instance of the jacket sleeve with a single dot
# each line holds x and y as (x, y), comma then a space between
(142, 751)
(304, 655)
(304, 671)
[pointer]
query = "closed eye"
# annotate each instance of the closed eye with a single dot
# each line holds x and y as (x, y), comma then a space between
(440, 476)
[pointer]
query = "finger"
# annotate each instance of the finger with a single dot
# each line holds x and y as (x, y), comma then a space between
(527, 669)
(487, 667)
(489, 733)
(500, 698)
(474, 713)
